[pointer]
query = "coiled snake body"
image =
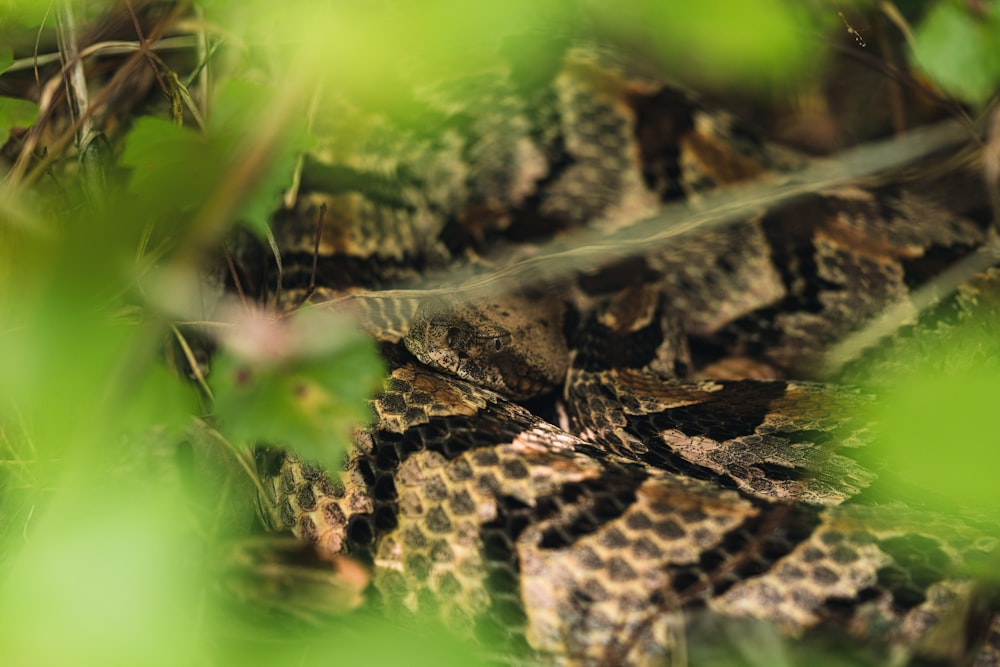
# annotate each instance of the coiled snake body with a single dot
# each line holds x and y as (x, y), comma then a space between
(691, 480)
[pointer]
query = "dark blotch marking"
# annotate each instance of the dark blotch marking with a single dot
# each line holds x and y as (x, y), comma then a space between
(461, 503)
(620, 570)
(286, 513)
(646, 548)
(589, 559)
(843, 555)
(360, 531)
(824, 575)
(438, 521)
(735, 410)
(421, 398)
(638, 521)
(613, 539)
(436, 489)
(831, 537)
(918, 562)
(418, 565)
(449, 585)
(459, 471)
(750, 549)
(393, 404)
(668, 529)
(515, 469)
(441, 552)
(333, 515)
(307, 528)
(306, 498)
(414, 538)
(589, 505)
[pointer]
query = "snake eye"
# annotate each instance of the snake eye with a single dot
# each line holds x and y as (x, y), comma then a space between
(453, 337)
(497, 344)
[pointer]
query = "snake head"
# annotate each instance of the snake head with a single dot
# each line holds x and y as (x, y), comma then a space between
(513, 345)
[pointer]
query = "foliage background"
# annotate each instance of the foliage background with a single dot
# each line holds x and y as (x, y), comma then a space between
(123, 493)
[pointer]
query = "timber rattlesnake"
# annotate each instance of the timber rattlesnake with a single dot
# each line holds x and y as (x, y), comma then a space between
(690, 479)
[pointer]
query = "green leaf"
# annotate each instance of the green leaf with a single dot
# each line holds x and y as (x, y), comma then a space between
(283, 390)
(161, 400)
(112, 565)
(738, 43)
(14, 112)
(20, 15)
(938, 424)
(17, 113)
(959, 51)
(237, 120)
(174, 168)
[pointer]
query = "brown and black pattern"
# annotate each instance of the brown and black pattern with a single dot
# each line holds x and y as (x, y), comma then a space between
(697, 476)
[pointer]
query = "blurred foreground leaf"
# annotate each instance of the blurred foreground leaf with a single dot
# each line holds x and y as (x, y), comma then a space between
(939, 423)
(961, 51)
(301, 382)
(14, 112)
(177, 168)
(744, 44)
(17, 113)
(107, 577)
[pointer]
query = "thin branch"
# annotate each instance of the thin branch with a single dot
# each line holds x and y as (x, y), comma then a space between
(586, 250)
(144, 47)
(896, 106)
(192, 361)
(72, 72)
(114, 47)
(902, 312)
(35, 57)
(19, 174)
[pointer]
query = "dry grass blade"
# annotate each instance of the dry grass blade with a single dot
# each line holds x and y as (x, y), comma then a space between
(588, 250)
(73, 75)
(904, 312)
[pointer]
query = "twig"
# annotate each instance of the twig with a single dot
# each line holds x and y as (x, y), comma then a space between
(192, 362)
(583, 251)
(106, 48)
(72, 72)
(19, 174)
(991, 164)
(558, 259)
(896, 106)
(898, 314)
(144, 47)
(35, 57)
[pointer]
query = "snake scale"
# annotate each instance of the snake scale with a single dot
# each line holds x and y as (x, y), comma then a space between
(599, 467)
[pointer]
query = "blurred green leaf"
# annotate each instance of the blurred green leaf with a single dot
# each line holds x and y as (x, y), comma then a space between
(278, 388)
(176, 168)
(368, 641)
(938, 425)
(237, 120)
(110, 568)
(22, 14)
(161, 400)
(16, 113)
(740, 43)
(961, 52)
(173, 167)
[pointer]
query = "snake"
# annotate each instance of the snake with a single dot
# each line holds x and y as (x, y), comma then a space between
(627, 461)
